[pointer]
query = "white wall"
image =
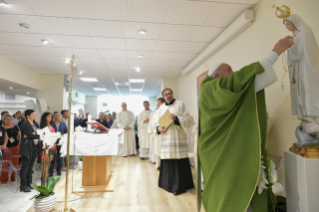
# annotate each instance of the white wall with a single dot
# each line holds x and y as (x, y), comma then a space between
(171, 83)
(251, 45)
(91, 106)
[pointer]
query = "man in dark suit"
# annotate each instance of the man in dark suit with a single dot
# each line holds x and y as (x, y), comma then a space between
(84, 125)
(61, 127)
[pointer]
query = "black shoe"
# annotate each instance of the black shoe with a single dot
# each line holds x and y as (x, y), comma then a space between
(24, 189)
(29, 186)
(59, 173)
(176, 193)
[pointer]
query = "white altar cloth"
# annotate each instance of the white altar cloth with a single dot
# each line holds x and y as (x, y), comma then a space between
(87, 143)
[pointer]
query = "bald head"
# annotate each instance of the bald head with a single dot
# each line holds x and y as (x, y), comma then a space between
(223, 70)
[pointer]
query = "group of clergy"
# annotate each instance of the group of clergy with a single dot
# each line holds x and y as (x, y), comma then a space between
(166, 148)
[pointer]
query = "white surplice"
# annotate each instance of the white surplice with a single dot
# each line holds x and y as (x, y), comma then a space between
(144, 137)
(174, 141)
(151, 132)
(127, 144)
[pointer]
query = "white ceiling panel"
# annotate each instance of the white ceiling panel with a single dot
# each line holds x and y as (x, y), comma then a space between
(241, 1)
(101, 9)
(7, 50)
(145, 10)
(136, 85)
(66, 26)
(115, 62)
(122, 66)
(165, 56)
(139, 63)
(170, 46)
(224, 14)
(189, 12)
(101, 28)
(109, 43)
(173, 74)
(207, 34)
(18, 58)
(143, 45)
(77, 41)
(13, 39)
(48, 59)
(94, 53)
(36, 40)
(162, 63)
(157, 72)
(17, 7)
(179, 64)
(195, 48)
(133, 55)
(33, 65)
(5, 28)
(37, 26)
(178, 32)
(137, 75)
(57, 52)
(152, 30)
(57, 8)
(92, 61)
(143, 70)
(113, 54)
(28, 50)
(186, 57)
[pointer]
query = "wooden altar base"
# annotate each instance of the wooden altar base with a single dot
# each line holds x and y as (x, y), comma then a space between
(96, 175)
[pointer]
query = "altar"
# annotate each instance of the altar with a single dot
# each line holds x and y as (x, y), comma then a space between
(97, 150)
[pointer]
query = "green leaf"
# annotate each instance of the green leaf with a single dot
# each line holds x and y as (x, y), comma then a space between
(36, 196)
(43, 190)
(49, 181)
(34, 186)
(54, 183)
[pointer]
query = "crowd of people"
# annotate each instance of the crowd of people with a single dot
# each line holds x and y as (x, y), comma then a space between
(143, 136)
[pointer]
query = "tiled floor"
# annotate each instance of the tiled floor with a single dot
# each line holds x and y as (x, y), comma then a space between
(20, 201)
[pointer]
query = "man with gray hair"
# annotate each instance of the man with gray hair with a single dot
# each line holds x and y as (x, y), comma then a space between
(232, 135)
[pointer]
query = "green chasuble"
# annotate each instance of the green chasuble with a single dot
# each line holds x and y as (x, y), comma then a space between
(232, 138)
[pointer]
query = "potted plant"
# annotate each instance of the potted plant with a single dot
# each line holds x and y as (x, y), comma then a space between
(80, 162)
(46, 200)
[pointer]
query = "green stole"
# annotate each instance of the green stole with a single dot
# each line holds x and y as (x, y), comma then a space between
(232, 138)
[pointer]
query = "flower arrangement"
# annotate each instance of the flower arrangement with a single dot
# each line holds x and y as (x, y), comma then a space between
(268, 180)
(49, 148)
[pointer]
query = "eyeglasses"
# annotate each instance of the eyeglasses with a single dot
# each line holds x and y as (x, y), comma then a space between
(168, 94)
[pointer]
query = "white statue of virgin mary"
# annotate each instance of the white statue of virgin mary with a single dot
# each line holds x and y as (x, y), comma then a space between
(303, 65)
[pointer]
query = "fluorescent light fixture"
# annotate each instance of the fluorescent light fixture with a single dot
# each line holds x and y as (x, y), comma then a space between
(81, 72)
(136, 90)
(140, 55)
(10, 88)
(28, 92)
(235, 28)
(88, 79)
(3, 3)
(142, 31)
(100, 89)
(45, 42)
(137, 80)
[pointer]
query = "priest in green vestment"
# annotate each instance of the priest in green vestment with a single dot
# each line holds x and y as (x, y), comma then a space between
(232, 134)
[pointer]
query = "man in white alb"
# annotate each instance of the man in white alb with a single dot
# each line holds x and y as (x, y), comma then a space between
(125, 120)
(144, 137)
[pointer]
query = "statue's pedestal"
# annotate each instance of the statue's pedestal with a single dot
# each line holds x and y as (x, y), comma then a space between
(302, 183)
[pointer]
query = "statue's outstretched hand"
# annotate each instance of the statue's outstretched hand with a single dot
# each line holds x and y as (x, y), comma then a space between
(283, 44)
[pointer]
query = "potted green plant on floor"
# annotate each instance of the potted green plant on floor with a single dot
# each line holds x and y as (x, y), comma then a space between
(46, 200)
(80, 162)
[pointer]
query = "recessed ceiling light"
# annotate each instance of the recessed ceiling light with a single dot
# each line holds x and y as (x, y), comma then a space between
(138, 69)
(137, 80)
(11, 88)
(89, 79)
(137, 90)
(3, 3)
(25, 25)
(140, 56)
(67, 60)
(142, 31)
(28, 92)
(100, 89)
(81, 72)
(45, 42)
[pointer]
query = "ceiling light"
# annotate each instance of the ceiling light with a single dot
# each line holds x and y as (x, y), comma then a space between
(11, 88)
(45, 42)
(28, 92)
(3, 3)
(100, 89)
(25, 25)
(137, 80)
(81, 72)
(122, 83)
(67, 60)
(89, 79)
(140, 56)
(142, 31)
(137, 90)
(138, 69)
